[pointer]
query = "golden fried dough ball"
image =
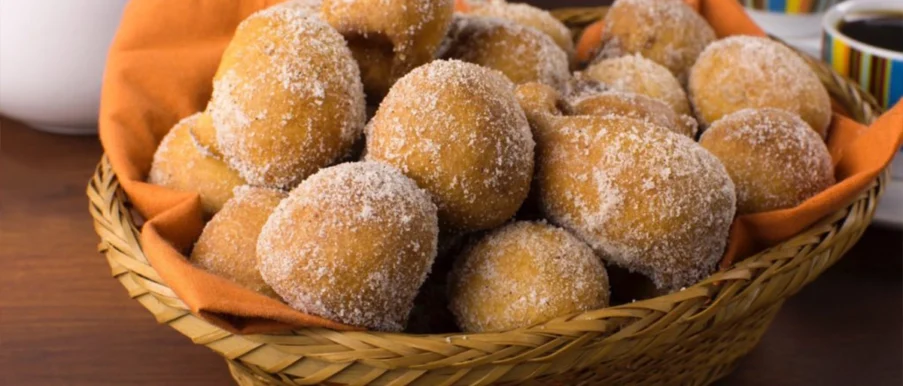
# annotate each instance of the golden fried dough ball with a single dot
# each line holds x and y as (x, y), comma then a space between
(538, 100)
(530, 16)
(667, 31)
(742, 72)
(309, 5)
(204, 134)
(589, 97)
(636, 74)
(182, 164)
(774, 158)
(635, 106)
(643, 197)
(287, 97)
(523, 54)
(352, 243)
(389, 38)
(228, 245)
(522, 274)
(456, 128)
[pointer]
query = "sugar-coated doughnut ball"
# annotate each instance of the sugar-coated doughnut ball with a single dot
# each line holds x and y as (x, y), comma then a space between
(774, 158)
(636, 74)
(204, 134)
(643, 197)
(667, 31)
(389, 37)
(287, 97)
(228, 245)
(352, 243)
(309, 5)
(522, 53)
(530, 16)
(181, 163)
(457, 130)
(635, 106)
(538, 101)
(522, 274)
(585, 96)
(743, 72)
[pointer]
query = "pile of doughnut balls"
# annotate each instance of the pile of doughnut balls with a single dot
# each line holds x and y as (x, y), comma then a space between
(487, 154)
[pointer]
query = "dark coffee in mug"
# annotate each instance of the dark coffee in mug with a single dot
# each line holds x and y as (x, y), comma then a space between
(878, 29)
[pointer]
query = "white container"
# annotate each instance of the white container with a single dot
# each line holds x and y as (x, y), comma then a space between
(52, 56)
(802, 31)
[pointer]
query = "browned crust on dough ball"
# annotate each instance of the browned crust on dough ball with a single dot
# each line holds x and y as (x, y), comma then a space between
(353, 243)
(182, 163)
(774, 158)
(668, 32)
(457, 129)
(743, 72)
(522, 274)
(643, 197)
(228, 245)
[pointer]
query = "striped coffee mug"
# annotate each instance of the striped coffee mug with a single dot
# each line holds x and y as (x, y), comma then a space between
(877, 70)
(793, 7)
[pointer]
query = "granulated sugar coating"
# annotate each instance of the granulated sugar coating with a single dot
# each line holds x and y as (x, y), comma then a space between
(538, 101)
(352, 243)
(742, 72)
(585, 96)
(636, 74)
(228, 245)
(390, 37)
(457, 130)
(180, 163)
(635, 106)
(308, 5)
(287, 97)
(530, 16)
(667, 31)
(523, 54)
(774, 158)
(522, 274)
(580, 86)
(644, 198)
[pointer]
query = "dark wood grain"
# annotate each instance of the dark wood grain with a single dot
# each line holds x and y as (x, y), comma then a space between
(846, 328)
(65, 321)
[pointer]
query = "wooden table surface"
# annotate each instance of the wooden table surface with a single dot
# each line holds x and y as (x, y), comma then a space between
(65, 321)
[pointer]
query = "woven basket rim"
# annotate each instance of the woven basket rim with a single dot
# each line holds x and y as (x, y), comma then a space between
(707, 299)
(706, 288)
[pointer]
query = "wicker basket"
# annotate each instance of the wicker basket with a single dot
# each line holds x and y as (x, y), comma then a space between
(694, 336)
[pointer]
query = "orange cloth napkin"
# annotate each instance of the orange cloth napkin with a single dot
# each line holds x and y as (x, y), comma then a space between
(160, 69)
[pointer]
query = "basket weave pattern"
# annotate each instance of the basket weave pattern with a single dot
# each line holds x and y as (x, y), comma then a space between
(694, 336)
